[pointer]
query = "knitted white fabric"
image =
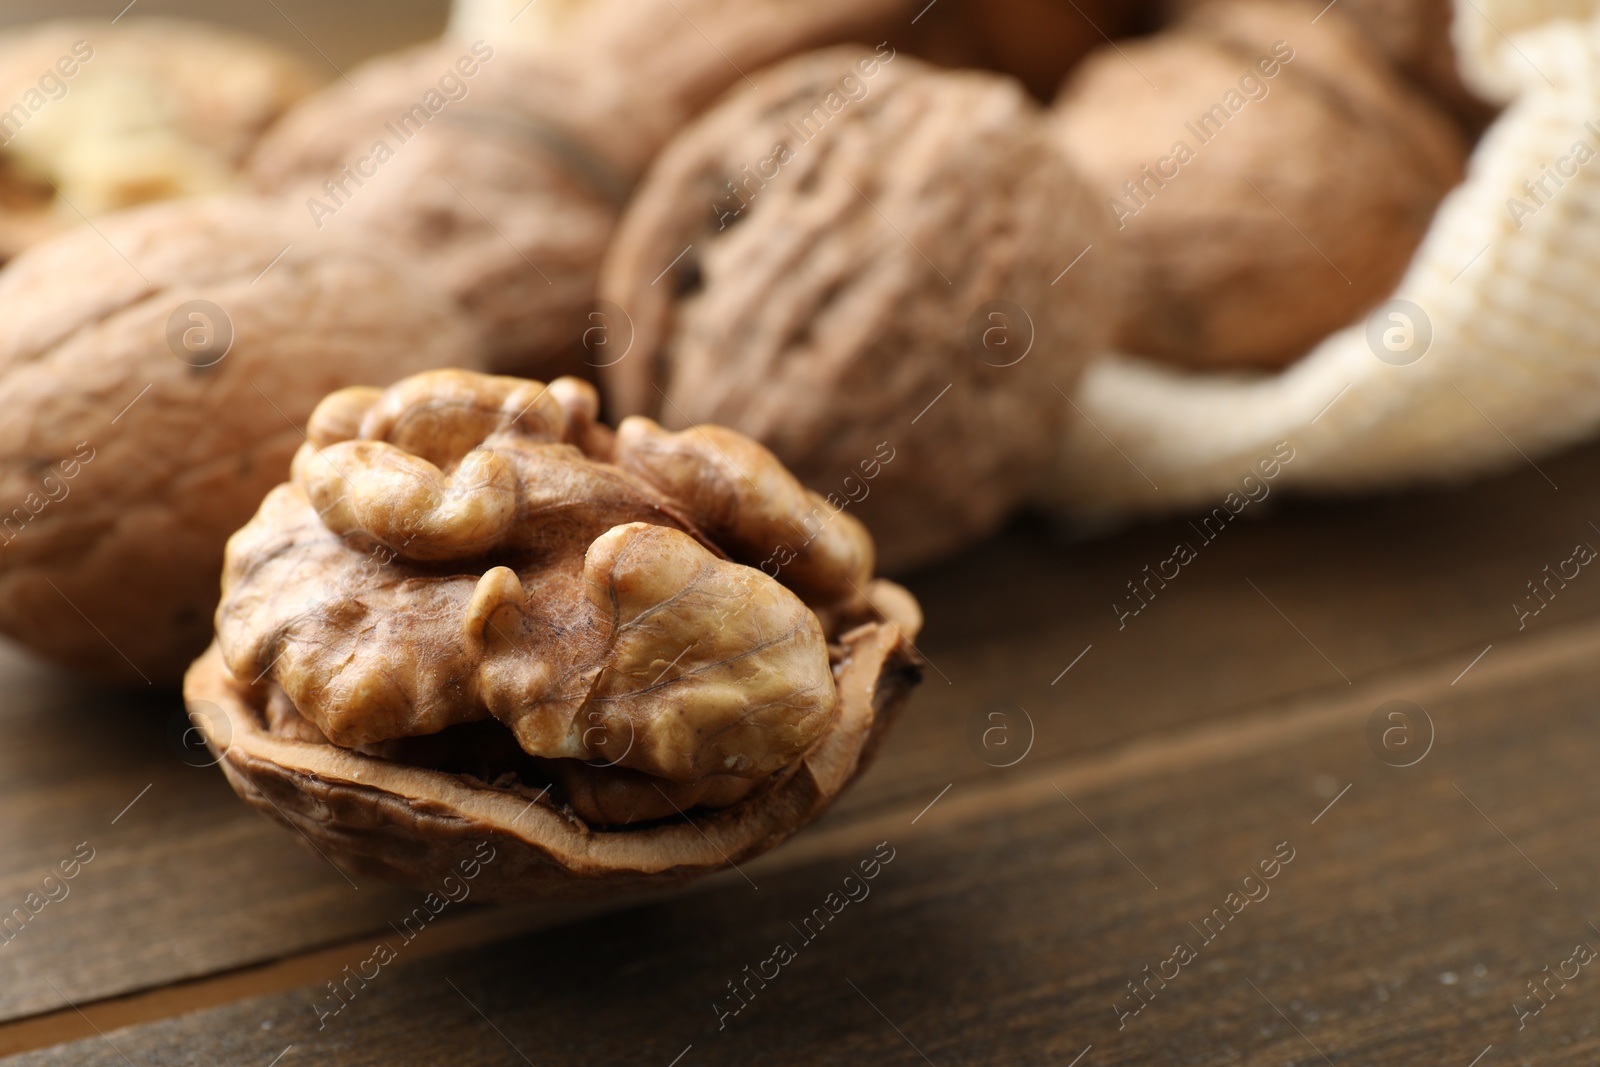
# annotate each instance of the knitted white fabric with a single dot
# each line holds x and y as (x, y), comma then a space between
(1513, 298)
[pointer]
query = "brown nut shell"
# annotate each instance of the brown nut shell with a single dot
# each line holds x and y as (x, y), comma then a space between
(664, 63)
(1415, 36)
(1256, 212)
(128, 457)
(818, 262)
(374, 816)
(1035, 41)
(511, 197)
(462, 581)
(495, 189)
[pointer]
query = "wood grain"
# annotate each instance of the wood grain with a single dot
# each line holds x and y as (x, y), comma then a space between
(183, 882)
(1217, 722)
(190, 883)
(1416, 905)
(1296, 599)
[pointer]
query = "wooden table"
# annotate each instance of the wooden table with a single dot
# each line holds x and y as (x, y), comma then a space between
(1082, 817)
(1031, 914)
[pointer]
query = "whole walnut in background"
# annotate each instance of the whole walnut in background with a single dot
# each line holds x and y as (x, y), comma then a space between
(1415, 37)
(1269, 175)
(863, 264)
(534, 137)
(1035, 41)
(482, 165)
(156, 374)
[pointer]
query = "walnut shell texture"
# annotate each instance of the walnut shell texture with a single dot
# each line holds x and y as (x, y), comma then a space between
(1256, 214)
(128, 455)
(412, 823)
(102, 117)
(469, 580)
(497, 193)
(817, 262)
(511, 197)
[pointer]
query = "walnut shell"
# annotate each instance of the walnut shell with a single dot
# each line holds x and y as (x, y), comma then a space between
(1035, 41)
(103, 117)
(1294, 209)
(1415, 37)
(511, 198)
(674, 59)
(504, 195)
(817, 263)
(143, 429)
(473, 612)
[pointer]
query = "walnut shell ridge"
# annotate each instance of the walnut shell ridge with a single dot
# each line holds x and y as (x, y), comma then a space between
(867, 257)
(126, 459)
(472, 599)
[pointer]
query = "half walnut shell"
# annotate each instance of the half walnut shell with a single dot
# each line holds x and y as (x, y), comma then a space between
(475, 614)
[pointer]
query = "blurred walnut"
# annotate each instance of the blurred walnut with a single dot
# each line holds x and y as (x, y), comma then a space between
(155, 373)
(1415, 37)
(1270, 178)
(531, 151)
(96, 117)
(481, 165)
(468, 576)
(863, 265)
(1035, 41)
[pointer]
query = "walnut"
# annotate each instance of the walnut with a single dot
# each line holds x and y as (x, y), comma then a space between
(504, 194)
(155, 372)
(97, 117)
(531, 151)
(818, 262)
(1212, 144)
(1415, 37)
(1036, 41)
(475, 612)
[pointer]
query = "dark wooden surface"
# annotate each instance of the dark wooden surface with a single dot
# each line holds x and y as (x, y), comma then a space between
(1006, 927)
(1196, 739)
(1220, 721)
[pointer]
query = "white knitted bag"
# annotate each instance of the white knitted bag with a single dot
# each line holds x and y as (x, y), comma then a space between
(1509, 293)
